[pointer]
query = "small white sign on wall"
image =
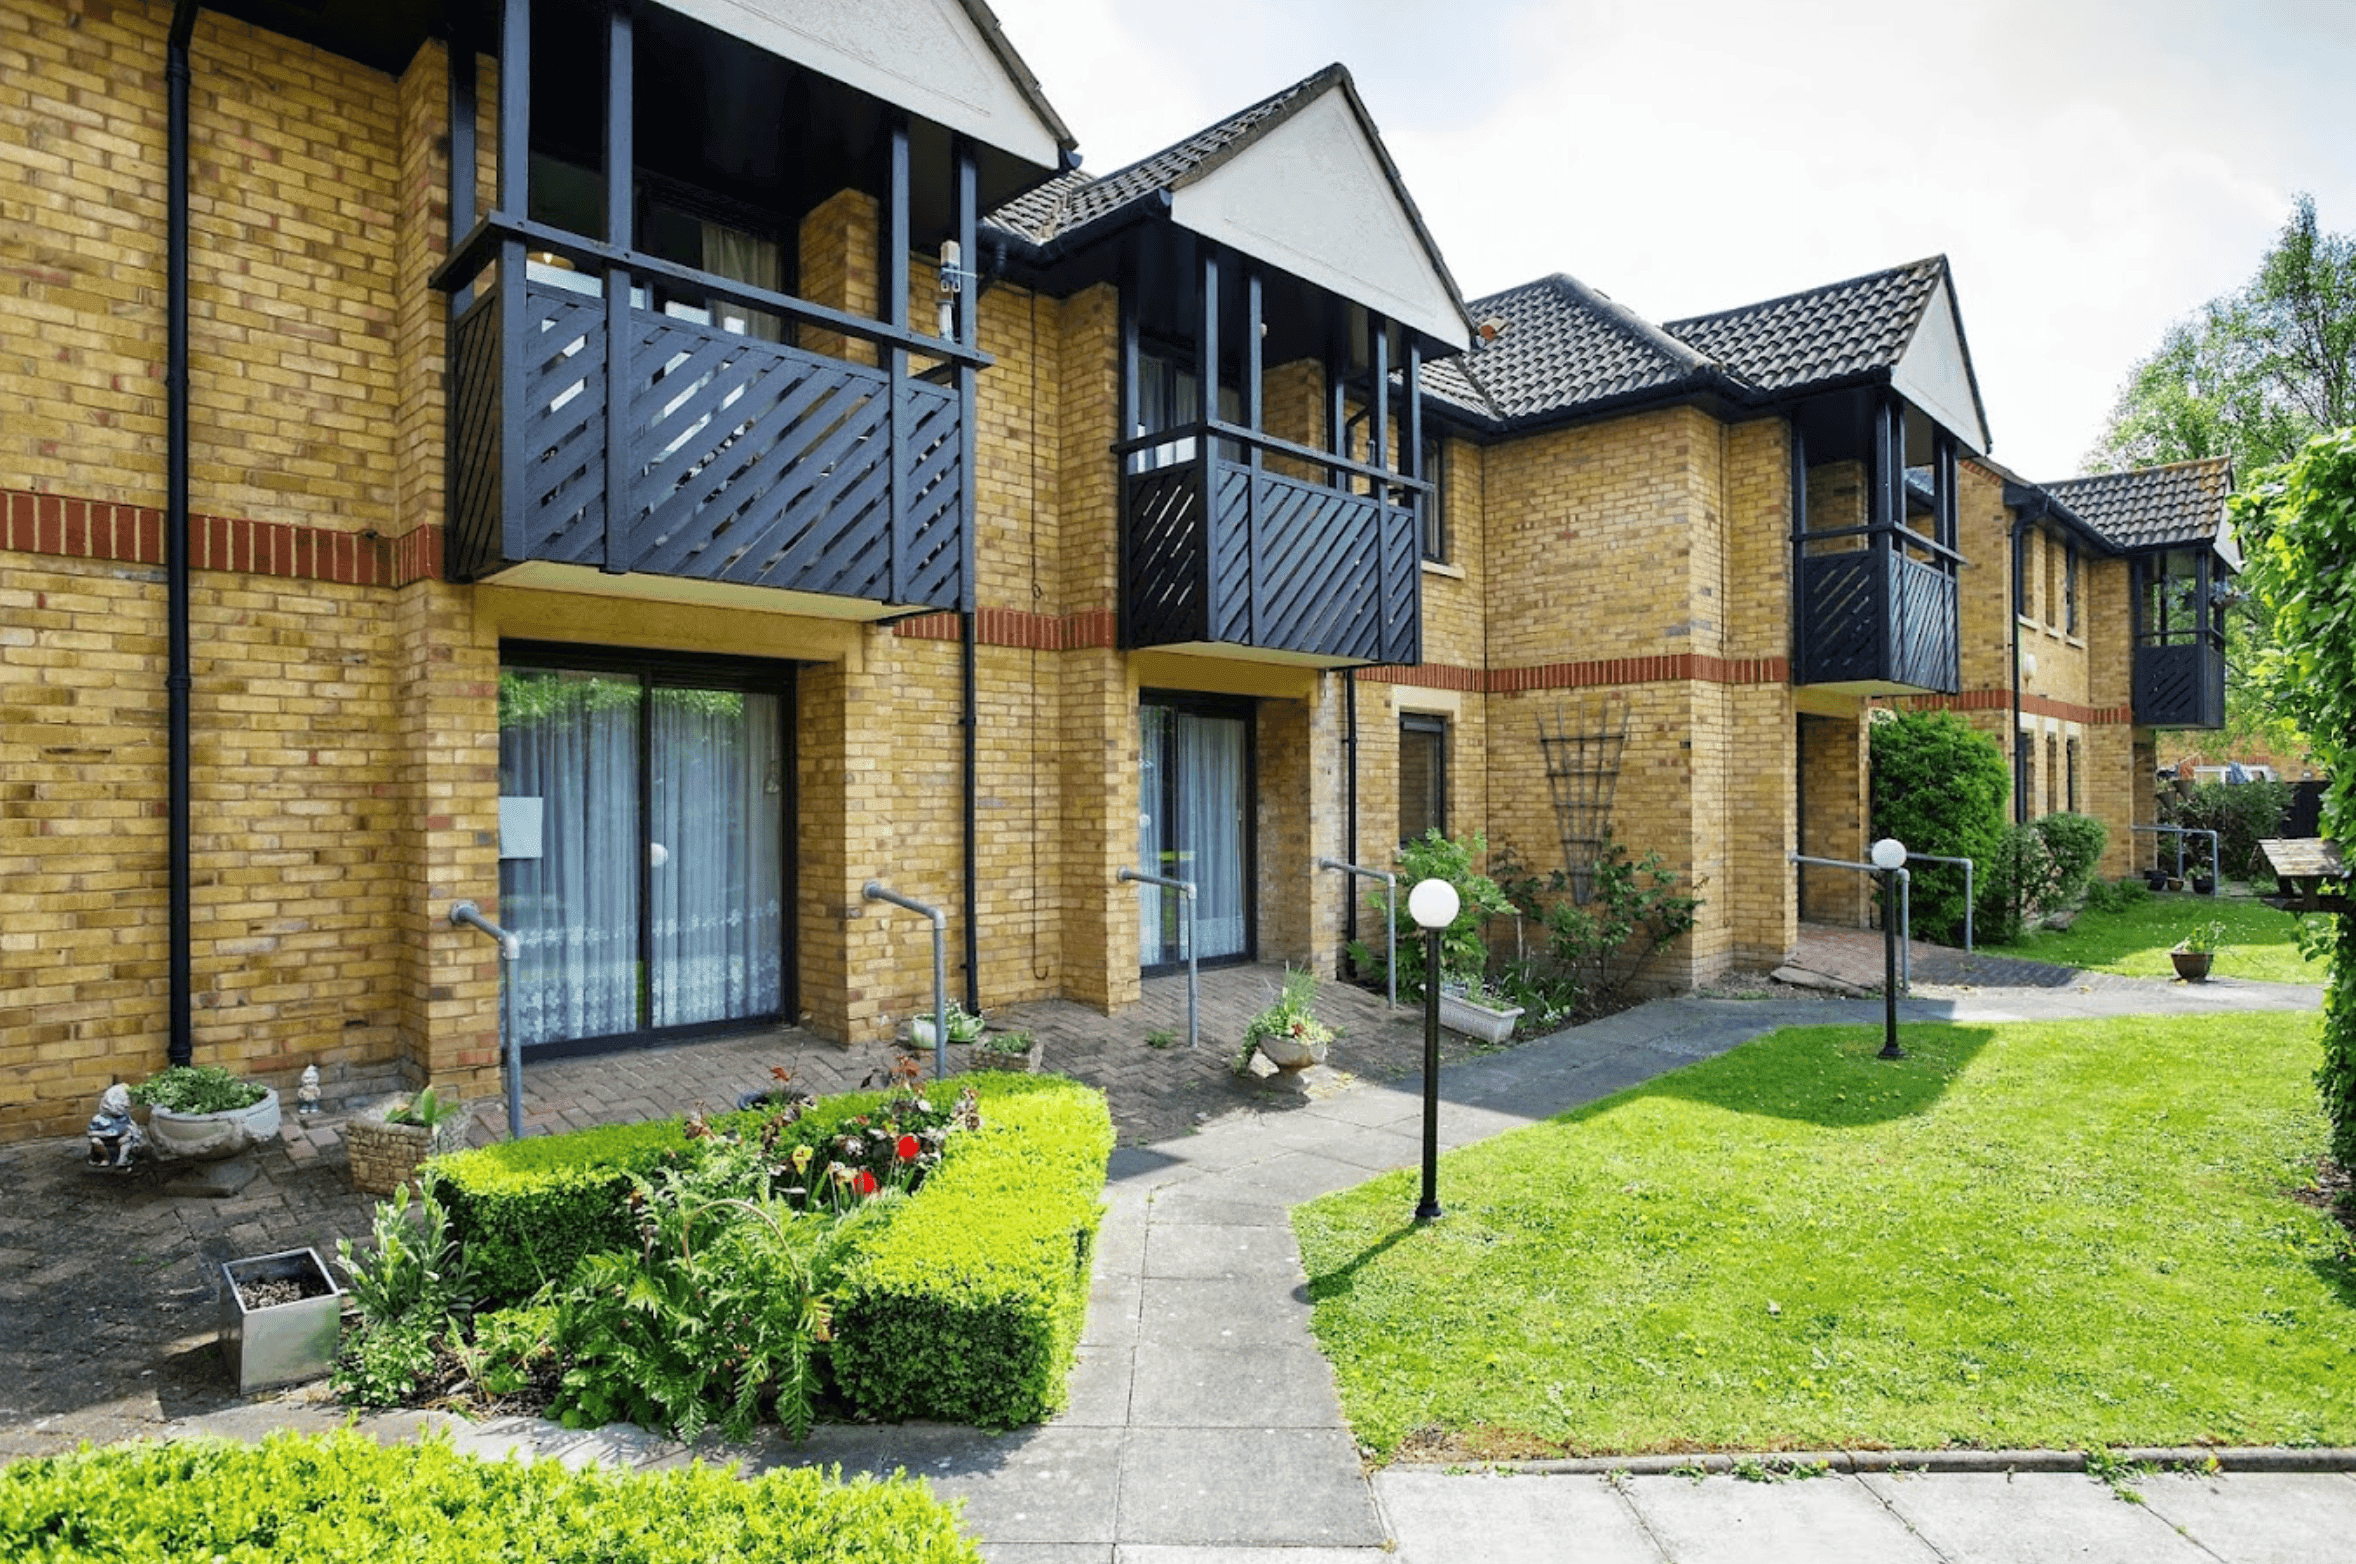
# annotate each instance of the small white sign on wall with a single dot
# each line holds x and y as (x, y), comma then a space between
(519, 827)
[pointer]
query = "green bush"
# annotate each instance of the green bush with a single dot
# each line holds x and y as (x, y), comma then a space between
(965, 1305)
(342, 1498)
(2243, 814)
(1940, 786)
(526, 1211)
(2073, 846)
(1464, 947)
(2116, 895)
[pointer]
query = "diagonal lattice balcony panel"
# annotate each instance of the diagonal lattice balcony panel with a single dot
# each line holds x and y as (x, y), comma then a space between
(474, 441)
(1841, 636)
(1924, 630)
(2180, 685)
(1163, 595)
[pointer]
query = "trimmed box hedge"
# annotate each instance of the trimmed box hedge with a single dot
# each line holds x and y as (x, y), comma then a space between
(344, 1499)
(528, 1210)
(967, 1305)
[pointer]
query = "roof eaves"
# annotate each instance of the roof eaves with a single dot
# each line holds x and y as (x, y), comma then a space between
(1011, 61)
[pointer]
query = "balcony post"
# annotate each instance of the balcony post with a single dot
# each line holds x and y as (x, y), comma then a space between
(1252, 366)
(620, 192)
(1206, 379)
(895, 277)
(515, 154)
(969, 217)
(1397, 595)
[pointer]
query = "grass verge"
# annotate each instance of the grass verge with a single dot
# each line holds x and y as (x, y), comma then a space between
(2261, 944)
(2034, 1235)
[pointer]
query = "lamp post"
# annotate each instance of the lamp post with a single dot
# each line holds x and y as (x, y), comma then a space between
(1433, 905)
(1889, 856)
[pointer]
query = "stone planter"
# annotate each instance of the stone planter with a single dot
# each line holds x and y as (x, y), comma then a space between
(1470, 1019)
(208, 1137)
(268, 1344)
(1288, 1052)
(384, 1155)
(2192, 965)
(920, 1032)
(1023, 1063)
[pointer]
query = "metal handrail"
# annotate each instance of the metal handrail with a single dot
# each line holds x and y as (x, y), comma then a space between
(465, 914)
(1967, 890)
(1186, 889)
(1905, 909)
(2180, 832)
(874, 890)
(1390, 916)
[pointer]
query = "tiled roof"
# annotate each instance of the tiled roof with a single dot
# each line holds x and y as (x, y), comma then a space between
(1828, 333)
(2152, 507)
(1561, 346)
(1076, 199)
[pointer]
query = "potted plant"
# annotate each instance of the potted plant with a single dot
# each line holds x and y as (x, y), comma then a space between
(2195, 952)
(964, 1026)
(202, 1112)
(1471, 1007)
(1017, 1051)
(1287, 1034)
(387, 1141)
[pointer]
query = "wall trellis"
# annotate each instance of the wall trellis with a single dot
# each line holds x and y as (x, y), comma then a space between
(1582, 753)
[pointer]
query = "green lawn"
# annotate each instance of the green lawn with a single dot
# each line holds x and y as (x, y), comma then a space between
(2260, 943)
(2033, 1235)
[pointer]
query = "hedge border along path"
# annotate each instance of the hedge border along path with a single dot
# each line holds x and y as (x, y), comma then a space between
(344, 1499)
(967, 1306)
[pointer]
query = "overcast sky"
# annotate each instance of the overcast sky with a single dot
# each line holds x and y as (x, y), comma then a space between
(2094, 169)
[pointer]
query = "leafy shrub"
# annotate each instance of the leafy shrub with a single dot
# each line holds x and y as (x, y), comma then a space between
(1636, 912)
(390, 1363)
(197, 1088)
(342, 1498)
(510, 1350)
(1464, 949)
(721, 1314)
(2073, 846)
(2243, 814)
(415, 1268)
(1941, 786)
(528, 1210)
(965, 1306)
(2009, 877)
(2116, 895)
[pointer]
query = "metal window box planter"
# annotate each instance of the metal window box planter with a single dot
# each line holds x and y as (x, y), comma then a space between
(280, 1343)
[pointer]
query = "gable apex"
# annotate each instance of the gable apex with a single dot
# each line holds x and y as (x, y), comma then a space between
(1935, 373)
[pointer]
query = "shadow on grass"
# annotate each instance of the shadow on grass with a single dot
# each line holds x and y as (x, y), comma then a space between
(1339, 1281)
(1824, 1075)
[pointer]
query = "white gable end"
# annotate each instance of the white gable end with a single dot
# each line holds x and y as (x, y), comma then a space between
(1312, 197)
(1934, 373)
(927, 56)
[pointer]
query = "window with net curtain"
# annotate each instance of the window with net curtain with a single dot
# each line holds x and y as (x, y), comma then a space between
(1423, 775)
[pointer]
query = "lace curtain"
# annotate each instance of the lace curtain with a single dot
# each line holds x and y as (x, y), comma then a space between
(1204, 842)
(718, 900)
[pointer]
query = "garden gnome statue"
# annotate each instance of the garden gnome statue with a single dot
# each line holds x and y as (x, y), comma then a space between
(114, 1139)
(307, 1097)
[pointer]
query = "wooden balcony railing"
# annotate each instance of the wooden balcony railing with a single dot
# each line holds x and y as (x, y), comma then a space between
(1873, 616)
(2181, 683)
(1217, 550)
(591, 430)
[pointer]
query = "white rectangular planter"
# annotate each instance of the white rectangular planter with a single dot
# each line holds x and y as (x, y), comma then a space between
(285, 1342)
(1477, 1021)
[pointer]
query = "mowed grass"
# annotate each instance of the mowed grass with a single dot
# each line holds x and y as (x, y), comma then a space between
(2030, 1235)
(2261, 944)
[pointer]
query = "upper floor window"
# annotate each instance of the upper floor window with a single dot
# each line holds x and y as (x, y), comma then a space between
(1169, 396)
(2070, 592)
(1435, 503)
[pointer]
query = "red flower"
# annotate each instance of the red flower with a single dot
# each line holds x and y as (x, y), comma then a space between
(908, 1148)
(864, 1183)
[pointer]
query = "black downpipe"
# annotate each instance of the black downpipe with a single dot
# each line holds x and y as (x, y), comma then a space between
(178, 680)
(2020, 803)
(1350, 806)
(973, 875)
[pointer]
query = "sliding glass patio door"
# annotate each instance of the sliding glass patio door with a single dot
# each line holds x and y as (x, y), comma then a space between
(1195, 823)
(642, 849)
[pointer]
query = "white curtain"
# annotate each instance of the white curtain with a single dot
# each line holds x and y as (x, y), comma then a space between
(718, 896)
(571, 741)
(1157, 942)
(731, 252)
(1211, 816)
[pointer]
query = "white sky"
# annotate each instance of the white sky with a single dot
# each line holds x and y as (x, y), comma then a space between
(2094, 169)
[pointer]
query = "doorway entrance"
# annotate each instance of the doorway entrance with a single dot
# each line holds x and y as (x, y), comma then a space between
(644, 807)
(1195, 822)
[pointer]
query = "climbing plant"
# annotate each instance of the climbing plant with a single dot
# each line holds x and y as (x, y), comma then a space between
(2297, 523)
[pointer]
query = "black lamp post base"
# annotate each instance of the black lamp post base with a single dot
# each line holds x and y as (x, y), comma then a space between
(1428, 1211)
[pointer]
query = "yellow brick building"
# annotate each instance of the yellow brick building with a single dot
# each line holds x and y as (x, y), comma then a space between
(655, 533)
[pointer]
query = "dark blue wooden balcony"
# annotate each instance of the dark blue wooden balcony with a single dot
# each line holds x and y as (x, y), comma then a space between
(1218, 551)
(588, 429)
(1875, 617)
(2181, 684)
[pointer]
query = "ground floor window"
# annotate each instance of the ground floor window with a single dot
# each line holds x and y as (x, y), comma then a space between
(1195, 823)
(1423, 776)
(644, 809)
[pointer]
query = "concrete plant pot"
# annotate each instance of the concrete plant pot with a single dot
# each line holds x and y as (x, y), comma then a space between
(1479, 1021)
(280, 1343)
(385, 1155)
(208, 1137)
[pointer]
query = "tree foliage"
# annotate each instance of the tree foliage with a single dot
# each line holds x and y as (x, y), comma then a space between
(2299, 526)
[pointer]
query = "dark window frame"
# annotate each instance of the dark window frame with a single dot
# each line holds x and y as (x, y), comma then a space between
(1434, 727)
(1435, 500)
